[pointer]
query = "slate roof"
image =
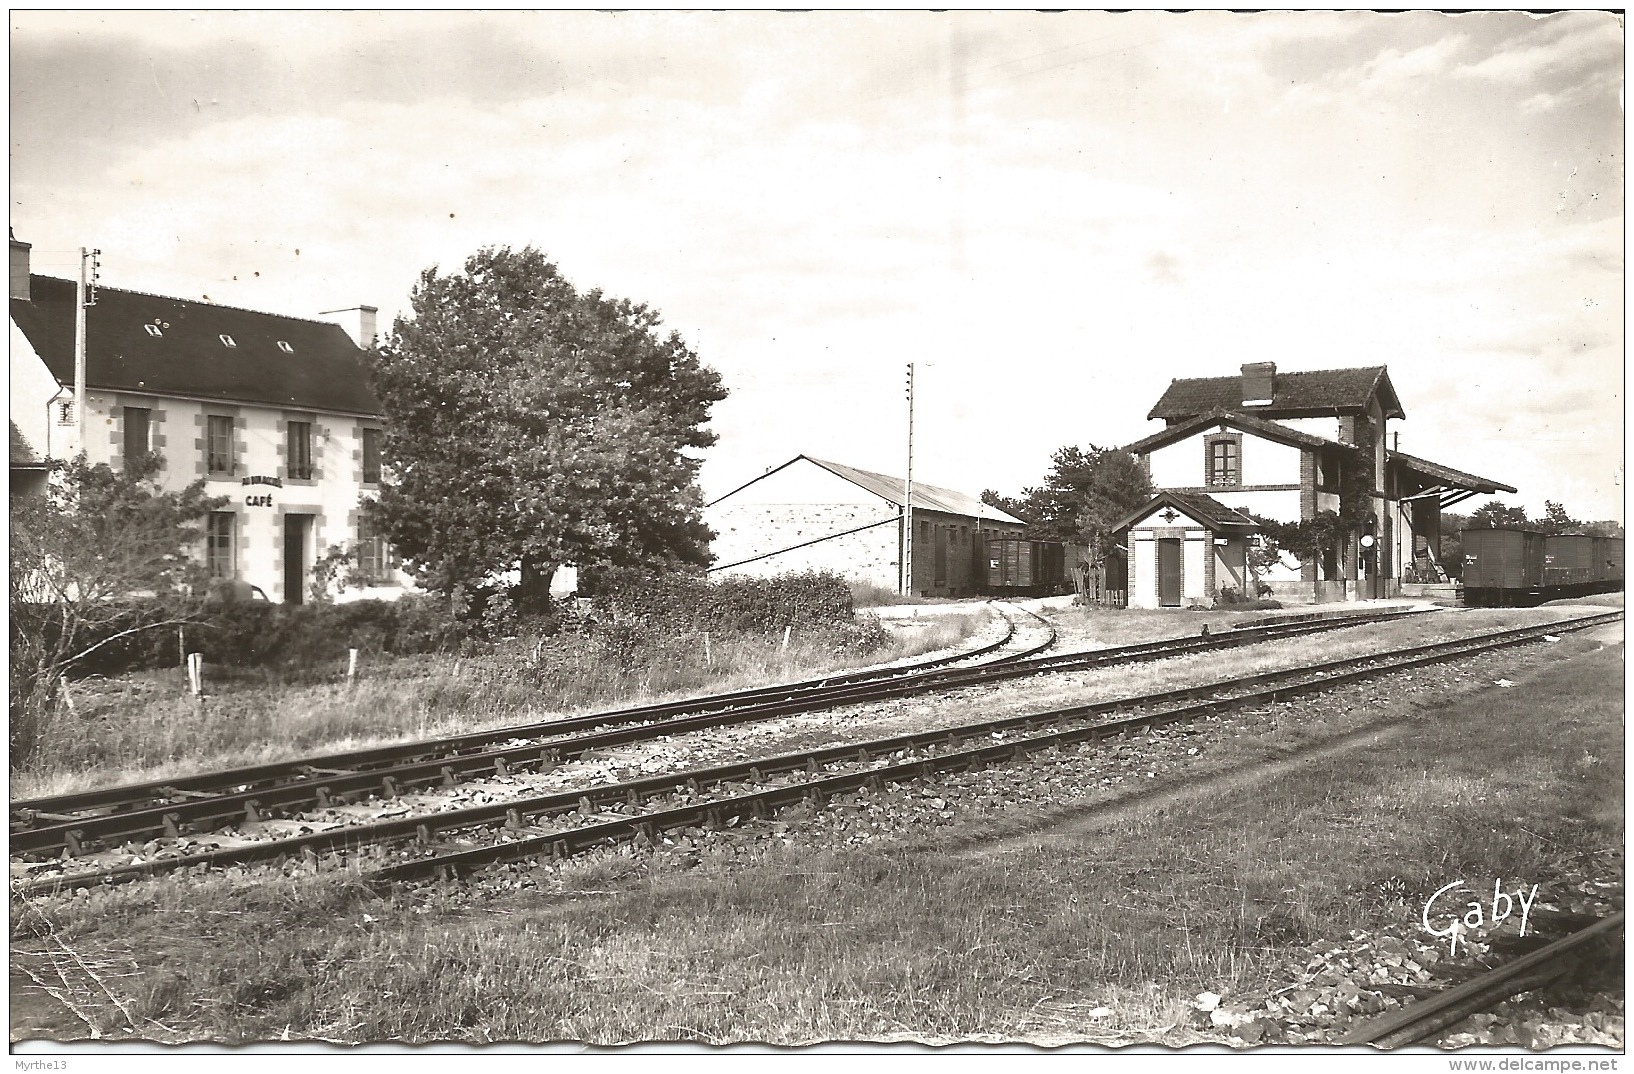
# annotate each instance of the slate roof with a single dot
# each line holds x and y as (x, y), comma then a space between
(1313, 393)
(925, 497)
(1206, 509)
(1446, 475)
(1237, 419)
(321, 371)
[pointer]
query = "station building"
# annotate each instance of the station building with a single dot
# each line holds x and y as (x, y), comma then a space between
(273, 412)
(1285, 447)
(810, 514)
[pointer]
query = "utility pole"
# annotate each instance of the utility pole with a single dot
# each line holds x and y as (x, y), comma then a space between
(84, 297)
(907, 501)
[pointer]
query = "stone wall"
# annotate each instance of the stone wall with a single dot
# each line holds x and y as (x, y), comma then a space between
(750, 531)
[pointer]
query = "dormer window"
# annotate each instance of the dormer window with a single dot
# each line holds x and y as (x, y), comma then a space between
(154, 330)
(226, 340)
(285, 347)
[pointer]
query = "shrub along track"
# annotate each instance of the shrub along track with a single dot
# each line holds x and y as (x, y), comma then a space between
(639, 810)
(75, 824)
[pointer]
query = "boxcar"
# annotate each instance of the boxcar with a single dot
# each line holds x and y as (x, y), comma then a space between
(1568, 561)
(1508, 567)
(1014, 566)
(1502, 567)
(1608, 560)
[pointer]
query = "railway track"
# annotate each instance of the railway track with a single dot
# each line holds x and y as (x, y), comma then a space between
(175, 808)
(53, 808)
(419, 846)
(1430, 1017)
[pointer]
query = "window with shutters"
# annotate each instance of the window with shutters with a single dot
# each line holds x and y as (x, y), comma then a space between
(371, 456)
(1224, 461)
(298, 449)
(218, 445)
(373, 554)
(219, 545)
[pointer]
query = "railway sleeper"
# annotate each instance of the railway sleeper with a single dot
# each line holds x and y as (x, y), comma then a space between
(1124, 731)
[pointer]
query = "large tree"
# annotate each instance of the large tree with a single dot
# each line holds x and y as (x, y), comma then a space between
(1556, 520)
(1084, 493)
(1494, 514)
(529, 424)
(103, 554)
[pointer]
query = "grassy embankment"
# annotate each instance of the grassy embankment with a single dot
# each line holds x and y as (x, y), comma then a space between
(1099, 929)
(145, 726)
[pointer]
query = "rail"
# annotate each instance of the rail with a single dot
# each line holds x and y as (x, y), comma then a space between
(1431, 1016)
(872, 763)
(213, 802)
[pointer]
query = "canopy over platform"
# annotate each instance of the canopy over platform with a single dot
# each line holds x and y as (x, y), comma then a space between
(1420, 479)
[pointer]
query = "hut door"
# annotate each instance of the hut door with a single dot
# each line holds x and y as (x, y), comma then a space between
(1170, 580)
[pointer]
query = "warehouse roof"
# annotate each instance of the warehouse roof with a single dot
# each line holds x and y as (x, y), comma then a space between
(171, 346)
(1314, 393)
(23, 454)
(925, 497)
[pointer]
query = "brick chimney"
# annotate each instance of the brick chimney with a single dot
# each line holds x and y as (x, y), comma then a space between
(359, 322)
(19, 269)
(1259, 383)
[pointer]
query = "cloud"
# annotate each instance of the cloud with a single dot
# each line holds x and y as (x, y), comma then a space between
(1559, 51)
(1053, 215)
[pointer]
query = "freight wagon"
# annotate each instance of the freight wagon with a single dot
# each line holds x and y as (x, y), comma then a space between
(1012, 566)
(1510, 567)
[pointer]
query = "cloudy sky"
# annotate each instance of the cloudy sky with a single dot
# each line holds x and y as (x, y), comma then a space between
(1052, 215)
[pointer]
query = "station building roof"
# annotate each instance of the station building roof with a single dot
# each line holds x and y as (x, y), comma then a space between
(1314, 393)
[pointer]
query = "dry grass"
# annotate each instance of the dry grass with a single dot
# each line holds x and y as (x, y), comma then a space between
(145, 726)
(1135, 913)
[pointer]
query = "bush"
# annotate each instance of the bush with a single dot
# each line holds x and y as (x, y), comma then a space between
(1229, 597)
(680, 603)
(279, 635)
(632, 614)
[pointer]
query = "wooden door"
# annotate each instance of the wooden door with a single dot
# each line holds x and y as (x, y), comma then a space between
(1170, 572)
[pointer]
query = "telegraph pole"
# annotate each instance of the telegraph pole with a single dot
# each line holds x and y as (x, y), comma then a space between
(907, 501)
(84, 297)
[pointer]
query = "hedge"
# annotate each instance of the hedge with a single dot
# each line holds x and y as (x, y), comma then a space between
(738, 603)
(280, 635)
(259, 634)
